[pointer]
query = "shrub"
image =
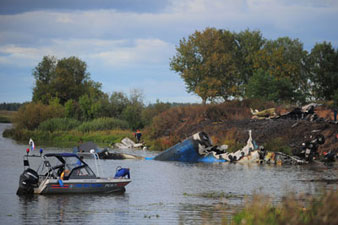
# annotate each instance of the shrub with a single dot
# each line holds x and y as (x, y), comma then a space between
(312, 210)
(61, 124)
(67, 138)
(32, 114)
(103, 123)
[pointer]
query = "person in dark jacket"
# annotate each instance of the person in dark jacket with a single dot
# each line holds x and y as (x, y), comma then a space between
(138, 136)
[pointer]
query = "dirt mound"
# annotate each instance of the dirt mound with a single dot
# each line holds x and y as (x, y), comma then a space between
(229, 124)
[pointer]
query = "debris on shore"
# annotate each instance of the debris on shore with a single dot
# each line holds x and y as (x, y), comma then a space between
(198, 148)
(127, 143)
(90, 147)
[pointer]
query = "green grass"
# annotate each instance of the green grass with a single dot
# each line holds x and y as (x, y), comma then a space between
(103, 124)
(292, 209)
(6, 116)
(215, 195)
(68, 138)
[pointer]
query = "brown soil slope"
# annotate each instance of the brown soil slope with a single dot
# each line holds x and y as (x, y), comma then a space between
(229, 124)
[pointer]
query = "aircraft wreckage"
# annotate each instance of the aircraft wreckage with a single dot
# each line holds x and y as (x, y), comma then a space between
(198, 148)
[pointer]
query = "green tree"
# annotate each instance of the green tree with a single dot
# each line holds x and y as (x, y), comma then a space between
(248, 44)
(132, 113)
(324, 70)
(90, 107)
(266, 87)
(65, 79)
(206, 63)
(284, 58)
(118, 102)
(44, 73)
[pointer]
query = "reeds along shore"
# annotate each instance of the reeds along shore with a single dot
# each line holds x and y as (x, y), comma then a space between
(293, 209)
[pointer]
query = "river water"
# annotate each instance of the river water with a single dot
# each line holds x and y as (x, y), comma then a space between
(160, 192)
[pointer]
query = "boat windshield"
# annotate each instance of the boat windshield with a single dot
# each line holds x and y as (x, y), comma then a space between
(72, 167)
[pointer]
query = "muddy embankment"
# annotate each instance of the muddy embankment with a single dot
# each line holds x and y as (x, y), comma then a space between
(278, 134)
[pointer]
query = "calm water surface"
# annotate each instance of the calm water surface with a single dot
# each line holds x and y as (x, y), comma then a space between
(160, 192)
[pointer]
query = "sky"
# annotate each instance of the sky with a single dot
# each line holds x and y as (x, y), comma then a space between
(127, 44)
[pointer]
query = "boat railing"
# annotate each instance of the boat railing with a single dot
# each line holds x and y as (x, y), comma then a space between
(97, 162)
(44, 165)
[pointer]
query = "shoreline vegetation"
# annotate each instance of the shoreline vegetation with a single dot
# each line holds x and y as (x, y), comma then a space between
(293, 209)
(225, 123)
(6, 116)
(258, 209)
(67, 139)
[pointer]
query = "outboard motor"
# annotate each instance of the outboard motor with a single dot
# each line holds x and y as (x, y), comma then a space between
(28, 181)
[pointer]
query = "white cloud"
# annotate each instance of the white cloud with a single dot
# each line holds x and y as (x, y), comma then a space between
(150, 51)
(179, 19)
(111, 53)
(125, 42)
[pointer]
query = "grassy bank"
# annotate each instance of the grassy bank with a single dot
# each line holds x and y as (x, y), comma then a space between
(6, 116)
(68, 138)
(291, 210)
(258, 209)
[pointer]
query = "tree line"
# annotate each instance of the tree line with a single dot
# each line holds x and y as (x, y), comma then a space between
(217, 64)
(63, 89)
(10, 106)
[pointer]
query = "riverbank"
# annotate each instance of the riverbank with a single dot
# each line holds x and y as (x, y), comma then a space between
(229, 123)
(68, 138)
(226, 123)
(295, 209)
(6, 116)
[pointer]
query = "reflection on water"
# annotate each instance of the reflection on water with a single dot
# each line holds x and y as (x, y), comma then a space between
(160, 192)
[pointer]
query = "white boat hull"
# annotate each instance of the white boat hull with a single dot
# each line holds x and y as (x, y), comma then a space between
(81, 186)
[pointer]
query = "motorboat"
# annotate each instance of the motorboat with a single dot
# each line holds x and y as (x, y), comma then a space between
(68, 173)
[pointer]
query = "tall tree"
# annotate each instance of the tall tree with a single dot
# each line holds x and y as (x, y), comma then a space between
(266, 87)
(44, 73)
(118, 102)
(248, 44)
(206, 62)
(65, 79)
(324, 70)
(284, 58)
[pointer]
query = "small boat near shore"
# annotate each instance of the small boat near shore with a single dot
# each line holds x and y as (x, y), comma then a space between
(67, 173)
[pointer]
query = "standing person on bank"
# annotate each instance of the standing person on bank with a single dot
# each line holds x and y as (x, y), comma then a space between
(138, 136)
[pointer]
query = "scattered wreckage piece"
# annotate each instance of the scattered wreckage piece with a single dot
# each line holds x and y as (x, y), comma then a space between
(306, 112)
(243, 154)
(267, 113)
(91, 147)
(308, 150)
(127, 143)
(197, 148)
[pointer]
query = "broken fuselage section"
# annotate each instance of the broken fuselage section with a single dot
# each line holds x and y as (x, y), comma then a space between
(198, 148)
